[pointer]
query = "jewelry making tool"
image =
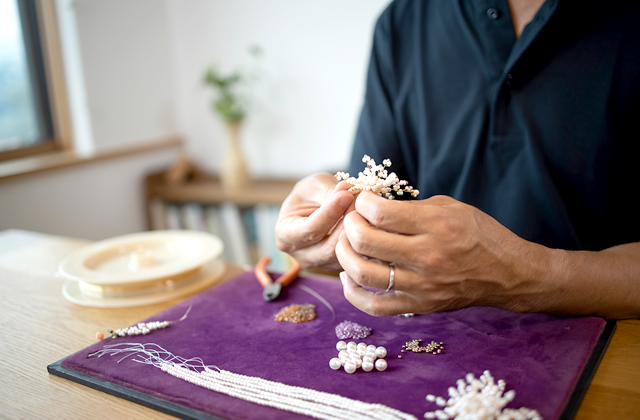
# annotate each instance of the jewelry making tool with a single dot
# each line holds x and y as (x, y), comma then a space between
(272, 288)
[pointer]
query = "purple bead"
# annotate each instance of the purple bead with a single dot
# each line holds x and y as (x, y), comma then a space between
(348, 329)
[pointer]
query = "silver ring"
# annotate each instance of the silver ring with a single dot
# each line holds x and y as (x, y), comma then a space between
(392, 275)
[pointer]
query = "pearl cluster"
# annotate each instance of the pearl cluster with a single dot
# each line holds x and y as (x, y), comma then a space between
(479, 399)
(353, 356)
(142, 328)
(375, 178)
(414, 346)
(297, 313)
(348, 329)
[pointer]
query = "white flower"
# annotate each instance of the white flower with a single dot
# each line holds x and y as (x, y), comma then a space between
(375, 178)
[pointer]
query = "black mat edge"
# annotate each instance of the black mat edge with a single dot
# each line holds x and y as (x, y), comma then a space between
(150, 401)
(589, 370)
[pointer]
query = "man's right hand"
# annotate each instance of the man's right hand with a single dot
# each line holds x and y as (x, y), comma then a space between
(310, 221)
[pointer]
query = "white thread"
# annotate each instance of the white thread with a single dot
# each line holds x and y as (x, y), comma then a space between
(318, 404)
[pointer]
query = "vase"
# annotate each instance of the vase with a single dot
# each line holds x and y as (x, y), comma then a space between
(234, 173)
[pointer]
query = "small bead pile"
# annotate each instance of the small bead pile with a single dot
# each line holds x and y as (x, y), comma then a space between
(142, 328)
(414, 346)
(353, 356)
(348, 329)
(297, 313)
(375, 178)
(479, 399)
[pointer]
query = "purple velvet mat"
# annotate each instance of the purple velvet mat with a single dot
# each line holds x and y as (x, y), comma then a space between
(539, 356)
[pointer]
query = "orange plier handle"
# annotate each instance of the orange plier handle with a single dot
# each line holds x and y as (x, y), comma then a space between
(285, 279)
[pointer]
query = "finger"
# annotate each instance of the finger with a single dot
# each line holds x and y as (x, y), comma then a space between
(368, 240)
(364, 271)
(342, 186)
(321, 254)
(410, 217)
(300, 230)
(376, 303)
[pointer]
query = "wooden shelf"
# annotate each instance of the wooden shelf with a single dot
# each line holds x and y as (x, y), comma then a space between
(208, 190)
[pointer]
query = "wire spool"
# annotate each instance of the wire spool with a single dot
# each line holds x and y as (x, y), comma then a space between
(142, 268)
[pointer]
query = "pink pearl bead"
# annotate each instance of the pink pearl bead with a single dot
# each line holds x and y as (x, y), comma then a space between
(99, 336)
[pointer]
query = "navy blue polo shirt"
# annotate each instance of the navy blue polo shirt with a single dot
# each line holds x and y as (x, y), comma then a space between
(539, 131)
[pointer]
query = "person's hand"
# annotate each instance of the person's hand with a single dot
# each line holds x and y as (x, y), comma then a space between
(446, 254)
(310, 220)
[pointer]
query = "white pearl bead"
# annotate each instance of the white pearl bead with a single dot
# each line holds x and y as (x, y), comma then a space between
(341, 345)
(335, 363)
(367, 365)
(369, 359)
(349, 367)
(381, 364)
(381, 352)
(352, 345)
(362, 351)
(371, 347)
(357, 362)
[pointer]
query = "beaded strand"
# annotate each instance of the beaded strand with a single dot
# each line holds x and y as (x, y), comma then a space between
(144, 328)
(295, 399)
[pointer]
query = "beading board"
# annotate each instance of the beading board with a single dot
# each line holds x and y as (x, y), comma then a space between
(548, 360)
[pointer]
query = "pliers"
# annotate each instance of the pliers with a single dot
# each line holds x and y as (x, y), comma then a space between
(272, 289)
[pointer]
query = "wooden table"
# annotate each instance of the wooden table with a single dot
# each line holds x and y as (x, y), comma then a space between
(38, 327)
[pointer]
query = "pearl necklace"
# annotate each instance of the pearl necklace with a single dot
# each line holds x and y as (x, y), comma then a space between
(318, 404)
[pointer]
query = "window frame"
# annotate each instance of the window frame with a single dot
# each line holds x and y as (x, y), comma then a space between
(55, 95)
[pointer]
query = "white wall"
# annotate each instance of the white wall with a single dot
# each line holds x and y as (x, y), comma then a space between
(92, 201)
(127, 68)
(316, 54)
(141, 64)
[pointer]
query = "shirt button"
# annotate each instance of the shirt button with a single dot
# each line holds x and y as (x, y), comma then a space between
(493, 13)
(509, 78)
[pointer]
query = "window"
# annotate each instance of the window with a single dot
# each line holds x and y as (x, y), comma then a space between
(27, 106)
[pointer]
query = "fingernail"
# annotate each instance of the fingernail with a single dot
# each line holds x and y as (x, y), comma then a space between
(345, 201)
(343, 276)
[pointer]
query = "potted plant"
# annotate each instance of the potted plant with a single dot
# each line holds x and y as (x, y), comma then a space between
(231, 104)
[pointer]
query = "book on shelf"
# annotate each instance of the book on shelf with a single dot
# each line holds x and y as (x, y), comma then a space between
(193, 217)
(266, 217)
(214, 226)
(232, 223)
(173, 216)
(157, 214)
